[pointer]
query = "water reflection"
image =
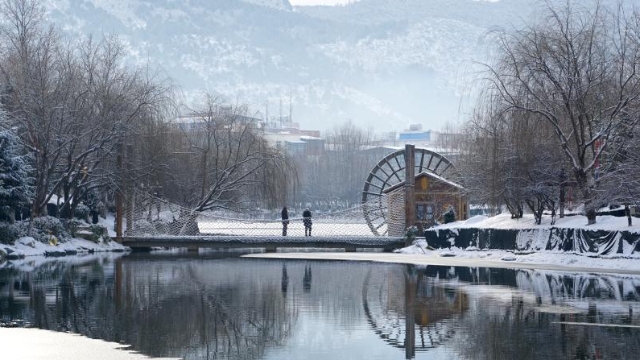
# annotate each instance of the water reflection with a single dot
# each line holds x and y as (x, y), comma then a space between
(207, 307)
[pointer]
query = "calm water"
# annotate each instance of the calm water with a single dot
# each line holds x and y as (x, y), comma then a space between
(214, 307)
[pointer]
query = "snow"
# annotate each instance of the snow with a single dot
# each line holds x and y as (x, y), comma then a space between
(52, 345)
(559, 260)
(504, 221)
(28, 246)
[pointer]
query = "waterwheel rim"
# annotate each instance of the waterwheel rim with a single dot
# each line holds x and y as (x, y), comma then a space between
(389, 172)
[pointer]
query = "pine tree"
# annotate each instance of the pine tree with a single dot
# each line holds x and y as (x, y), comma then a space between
(15, 178)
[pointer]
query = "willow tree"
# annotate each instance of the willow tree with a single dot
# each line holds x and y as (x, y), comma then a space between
(576, 69)
(222, 159)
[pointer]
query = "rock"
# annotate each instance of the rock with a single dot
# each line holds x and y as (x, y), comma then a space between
(85, 234)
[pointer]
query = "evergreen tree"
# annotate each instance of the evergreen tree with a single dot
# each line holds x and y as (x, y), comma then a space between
(15, 179)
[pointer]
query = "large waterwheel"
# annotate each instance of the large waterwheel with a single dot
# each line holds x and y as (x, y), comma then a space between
(391, 171)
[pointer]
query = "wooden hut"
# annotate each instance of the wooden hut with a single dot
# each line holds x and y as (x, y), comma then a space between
(433, 196)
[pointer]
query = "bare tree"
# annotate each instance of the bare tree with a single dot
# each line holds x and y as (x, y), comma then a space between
(72, 102)
(576, 69)
(338, 173)
(509, 158)
(227, 157)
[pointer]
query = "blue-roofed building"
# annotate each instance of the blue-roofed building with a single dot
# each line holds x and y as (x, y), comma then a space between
(415, 136)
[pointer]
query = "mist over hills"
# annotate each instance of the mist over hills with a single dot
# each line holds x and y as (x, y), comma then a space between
(383, 64)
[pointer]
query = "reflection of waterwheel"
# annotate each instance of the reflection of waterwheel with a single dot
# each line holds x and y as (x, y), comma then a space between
(390, 171)
(434, 309)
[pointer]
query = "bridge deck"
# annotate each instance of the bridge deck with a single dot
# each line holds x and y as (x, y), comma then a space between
(270, 243)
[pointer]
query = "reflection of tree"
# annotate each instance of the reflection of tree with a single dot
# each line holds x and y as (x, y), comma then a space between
(194, 319)
(519, 330)
(60, 296)
(161, 310)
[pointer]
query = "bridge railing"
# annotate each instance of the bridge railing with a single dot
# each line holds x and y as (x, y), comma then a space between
(156, 217)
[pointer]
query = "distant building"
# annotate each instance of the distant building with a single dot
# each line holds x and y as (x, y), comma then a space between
(198, 122)
(285, 134)
(421, 136)
(445, 143)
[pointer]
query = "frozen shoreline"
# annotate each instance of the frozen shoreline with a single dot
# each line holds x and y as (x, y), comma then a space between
(480, 258)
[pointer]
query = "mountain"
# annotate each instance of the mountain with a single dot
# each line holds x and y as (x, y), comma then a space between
(383, 64)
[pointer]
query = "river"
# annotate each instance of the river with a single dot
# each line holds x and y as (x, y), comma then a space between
(222, 306)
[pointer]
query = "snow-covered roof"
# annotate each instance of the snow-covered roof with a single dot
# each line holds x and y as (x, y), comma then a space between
(427, 174)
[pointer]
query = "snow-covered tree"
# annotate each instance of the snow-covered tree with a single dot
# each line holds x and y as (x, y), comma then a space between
(15, 178)
(73, 102)
(576, 70)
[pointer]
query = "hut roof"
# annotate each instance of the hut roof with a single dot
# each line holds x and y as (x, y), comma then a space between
(428, 174)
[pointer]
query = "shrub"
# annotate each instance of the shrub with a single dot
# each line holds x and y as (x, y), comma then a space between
(101, 234)
(449, 216)
(42, 228)
(9, 233)
(72, 226)
(82, 212)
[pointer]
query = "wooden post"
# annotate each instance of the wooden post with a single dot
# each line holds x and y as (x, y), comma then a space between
(409, 186)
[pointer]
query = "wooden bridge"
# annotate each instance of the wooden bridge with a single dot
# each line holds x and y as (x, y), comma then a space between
(269, 243)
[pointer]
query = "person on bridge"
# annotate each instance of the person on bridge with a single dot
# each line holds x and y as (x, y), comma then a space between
(306, 220)
(285, 221)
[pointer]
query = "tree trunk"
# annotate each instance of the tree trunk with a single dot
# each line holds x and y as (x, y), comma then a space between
(591, 216)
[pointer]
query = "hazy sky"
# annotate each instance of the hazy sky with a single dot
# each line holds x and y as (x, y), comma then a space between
(319, 2)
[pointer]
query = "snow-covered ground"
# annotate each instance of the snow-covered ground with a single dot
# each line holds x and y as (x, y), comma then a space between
(27, 343)
(504, 221)
(545, 258)
(27, 246)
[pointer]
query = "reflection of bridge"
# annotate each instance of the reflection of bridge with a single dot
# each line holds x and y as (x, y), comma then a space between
(269, 243)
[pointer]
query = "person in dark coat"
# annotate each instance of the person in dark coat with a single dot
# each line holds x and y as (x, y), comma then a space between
(306, 220)
(285, 221)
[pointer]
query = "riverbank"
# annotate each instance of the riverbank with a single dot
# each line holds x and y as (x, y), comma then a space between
(33, 344)
(420, 254)
(28, 246)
